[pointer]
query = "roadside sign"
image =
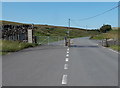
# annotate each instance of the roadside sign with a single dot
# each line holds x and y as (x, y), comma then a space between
(30, 36)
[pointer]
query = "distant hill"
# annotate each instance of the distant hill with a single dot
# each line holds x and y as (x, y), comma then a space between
(38, 25)
(49, 30)
(115, 28)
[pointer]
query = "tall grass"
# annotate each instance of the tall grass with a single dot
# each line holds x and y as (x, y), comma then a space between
(115, 47)
(13, 46)
(112, 34)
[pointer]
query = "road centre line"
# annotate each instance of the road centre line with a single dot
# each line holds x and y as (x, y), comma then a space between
(64, 79)
(66, 59)
(66, 66)
(67, 55)
(67, 52)
(68, 49)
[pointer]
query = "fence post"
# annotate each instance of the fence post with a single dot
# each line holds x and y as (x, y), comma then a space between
(107, 45)
(48, 40)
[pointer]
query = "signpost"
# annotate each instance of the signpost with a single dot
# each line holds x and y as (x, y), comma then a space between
(30, 36)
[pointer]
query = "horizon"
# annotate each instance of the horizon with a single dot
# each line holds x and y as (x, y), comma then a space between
(58, 25)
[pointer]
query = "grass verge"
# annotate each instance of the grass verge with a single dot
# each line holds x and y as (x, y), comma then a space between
(13, 46)
(115, 47)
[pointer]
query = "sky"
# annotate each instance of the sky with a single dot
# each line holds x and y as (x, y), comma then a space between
(58, 13)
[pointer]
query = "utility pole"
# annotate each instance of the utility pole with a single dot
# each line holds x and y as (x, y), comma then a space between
(86, 28)
(68, 40)
(69, 27)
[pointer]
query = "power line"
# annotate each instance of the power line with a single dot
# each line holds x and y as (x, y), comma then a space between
(98, 14)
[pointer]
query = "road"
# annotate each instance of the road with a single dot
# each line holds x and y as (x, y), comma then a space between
(83, 64)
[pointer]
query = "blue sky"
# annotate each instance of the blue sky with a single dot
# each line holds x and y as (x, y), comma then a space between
(58, 13)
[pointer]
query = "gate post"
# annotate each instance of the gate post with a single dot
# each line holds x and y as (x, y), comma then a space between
(30, 36)
(48, 40)
(69, 42)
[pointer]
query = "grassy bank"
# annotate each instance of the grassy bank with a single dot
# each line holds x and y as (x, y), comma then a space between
(115, 47)
(113, 34)
(13, 46)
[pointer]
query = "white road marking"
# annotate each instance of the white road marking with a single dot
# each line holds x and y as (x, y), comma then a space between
(111, 49)
(67, 55)
(64, 79)
(67, 52)
(66, 66)
(68, 49)
(67, 59)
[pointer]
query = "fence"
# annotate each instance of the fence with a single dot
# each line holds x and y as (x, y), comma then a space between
(50, 40)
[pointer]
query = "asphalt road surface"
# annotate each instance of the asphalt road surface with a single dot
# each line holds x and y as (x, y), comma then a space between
(83, 64)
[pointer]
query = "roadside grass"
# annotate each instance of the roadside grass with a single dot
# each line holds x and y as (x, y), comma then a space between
(111, 34)
(13, 46)
(115, 47)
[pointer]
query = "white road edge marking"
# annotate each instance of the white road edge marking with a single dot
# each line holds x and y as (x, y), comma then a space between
(110, 49)
(64, 79)
(66, 59)
(66, 66)
(67, 55)
(113, 51)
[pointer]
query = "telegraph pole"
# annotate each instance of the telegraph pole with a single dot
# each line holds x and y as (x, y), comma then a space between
(86, 28)
(68, 40)
(68, 27)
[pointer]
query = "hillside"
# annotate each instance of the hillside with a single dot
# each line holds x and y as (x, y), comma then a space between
(113, 34)
(49, 30)
(115, 28)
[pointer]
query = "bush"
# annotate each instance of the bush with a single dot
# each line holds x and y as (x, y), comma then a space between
(105, 28)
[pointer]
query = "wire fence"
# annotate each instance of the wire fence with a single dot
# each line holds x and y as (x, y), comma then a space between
(50, 40)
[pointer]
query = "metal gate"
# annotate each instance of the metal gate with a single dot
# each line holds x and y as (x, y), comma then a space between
(50, 40)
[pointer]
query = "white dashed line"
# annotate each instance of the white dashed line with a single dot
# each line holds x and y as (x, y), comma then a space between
(67, 55)
(68, 49)
(67, 52)
(64, 79)
(66, 66)
(66, 59)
